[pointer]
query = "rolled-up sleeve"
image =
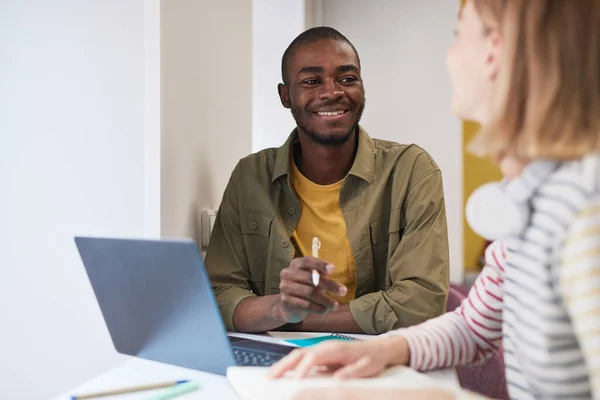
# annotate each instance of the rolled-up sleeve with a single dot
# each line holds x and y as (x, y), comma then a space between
(226, 260)
(418, 268)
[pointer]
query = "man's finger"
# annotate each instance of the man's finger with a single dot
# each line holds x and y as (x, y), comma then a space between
(332, 286)
(309, 293)
(304, 277)
(310, 263)
(296, 275)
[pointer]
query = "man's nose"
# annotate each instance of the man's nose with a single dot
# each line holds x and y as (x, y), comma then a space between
(331, 90)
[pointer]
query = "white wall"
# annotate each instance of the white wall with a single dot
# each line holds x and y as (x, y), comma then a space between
(275, 24)
(206, 79)
(152, 118)
(402, 45)
(71, 163)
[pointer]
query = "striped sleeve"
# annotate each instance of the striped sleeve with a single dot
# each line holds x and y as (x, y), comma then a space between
(580, 286)
(470, 334)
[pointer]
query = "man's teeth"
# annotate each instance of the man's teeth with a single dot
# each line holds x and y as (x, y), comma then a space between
(331, 113)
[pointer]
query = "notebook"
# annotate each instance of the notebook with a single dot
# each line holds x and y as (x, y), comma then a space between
(315, 340)
(251, 383)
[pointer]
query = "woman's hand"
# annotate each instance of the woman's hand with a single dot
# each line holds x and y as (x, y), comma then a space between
(347, 360)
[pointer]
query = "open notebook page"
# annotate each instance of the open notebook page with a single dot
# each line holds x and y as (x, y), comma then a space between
(251, 383)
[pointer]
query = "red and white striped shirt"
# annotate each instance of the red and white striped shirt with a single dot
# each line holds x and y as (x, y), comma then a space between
(471, 333)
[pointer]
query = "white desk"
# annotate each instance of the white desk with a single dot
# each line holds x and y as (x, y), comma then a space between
(138, 372)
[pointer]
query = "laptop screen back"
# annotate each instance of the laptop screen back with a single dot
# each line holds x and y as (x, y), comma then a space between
(157, 301)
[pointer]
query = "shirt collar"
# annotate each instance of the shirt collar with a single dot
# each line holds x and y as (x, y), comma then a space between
(363, 166)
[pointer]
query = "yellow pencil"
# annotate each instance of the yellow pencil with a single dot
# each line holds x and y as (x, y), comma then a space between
(133, 389)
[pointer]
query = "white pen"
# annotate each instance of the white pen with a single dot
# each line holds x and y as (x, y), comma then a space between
(316, 245)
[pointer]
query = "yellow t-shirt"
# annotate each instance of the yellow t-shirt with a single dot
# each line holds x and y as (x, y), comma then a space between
(322, 218)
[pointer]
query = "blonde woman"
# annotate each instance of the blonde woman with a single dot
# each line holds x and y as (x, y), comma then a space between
(529, 72)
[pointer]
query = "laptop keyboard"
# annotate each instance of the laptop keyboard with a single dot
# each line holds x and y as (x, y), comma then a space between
(257, 358)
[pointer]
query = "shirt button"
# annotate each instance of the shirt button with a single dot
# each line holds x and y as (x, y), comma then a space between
(253, 225)
(284, 243)
(291, 211)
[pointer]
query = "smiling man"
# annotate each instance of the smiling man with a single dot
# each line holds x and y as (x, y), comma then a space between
(376, 207)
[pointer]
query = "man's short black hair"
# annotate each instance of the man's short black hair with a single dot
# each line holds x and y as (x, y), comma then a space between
(309, 36)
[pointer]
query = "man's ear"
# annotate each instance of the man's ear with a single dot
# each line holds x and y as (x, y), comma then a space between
(284, 95)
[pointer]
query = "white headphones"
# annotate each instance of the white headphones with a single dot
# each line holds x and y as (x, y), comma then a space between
(500, 210)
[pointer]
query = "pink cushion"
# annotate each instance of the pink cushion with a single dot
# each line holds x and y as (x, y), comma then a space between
(488, 378)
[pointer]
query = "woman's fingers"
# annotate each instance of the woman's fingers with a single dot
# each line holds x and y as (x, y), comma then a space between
(286, 364)
(365, 367)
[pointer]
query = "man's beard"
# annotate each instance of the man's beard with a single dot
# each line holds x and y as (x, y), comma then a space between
(330, 140)
(324, 139)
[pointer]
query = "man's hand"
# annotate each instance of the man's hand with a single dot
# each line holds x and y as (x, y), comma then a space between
(298, 294)
(298, 297)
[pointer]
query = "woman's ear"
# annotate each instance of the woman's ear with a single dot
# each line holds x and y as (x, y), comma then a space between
(494, 54)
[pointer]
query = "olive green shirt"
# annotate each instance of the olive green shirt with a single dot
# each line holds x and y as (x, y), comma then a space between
(393, 205)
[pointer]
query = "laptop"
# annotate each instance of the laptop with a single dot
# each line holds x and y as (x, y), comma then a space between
(158, 304)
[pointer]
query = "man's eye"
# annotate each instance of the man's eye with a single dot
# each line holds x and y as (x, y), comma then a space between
(348, 79)
(311, 81)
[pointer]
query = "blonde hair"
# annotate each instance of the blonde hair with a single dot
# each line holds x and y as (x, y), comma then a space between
(546, 102)
(491, 12)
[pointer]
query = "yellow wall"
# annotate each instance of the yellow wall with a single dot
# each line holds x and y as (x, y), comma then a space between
(476, 172)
